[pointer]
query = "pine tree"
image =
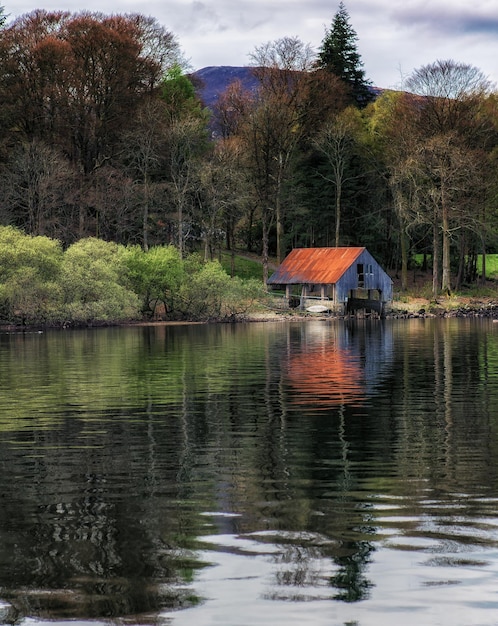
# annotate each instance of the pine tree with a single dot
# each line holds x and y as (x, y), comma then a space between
(338, 54)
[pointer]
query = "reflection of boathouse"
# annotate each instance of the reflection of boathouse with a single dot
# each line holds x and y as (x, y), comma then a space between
(336, 364)
(339, 279)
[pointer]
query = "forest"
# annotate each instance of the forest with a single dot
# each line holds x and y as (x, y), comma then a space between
(104, 138)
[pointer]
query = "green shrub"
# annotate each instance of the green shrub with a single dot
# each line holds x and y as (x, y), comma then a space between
(155, 276)
(94, 281)
(29, 276)
(209, 293)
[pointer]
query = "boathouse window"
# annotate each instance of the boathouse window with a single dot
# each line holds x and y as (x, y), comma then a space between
(361, 274)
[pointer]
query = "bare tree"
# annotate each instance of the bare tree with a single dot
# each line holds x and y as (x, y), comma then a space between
(281, 67)
(450, 127)
(186, 142)
(35, 186)
(337, 142)
(143, 152)
(221, 195)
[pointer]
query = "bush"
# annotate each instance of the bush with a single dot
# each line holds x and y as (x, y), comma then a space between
(94, 279)
(29, 276)
(209, 293)
(155, 276)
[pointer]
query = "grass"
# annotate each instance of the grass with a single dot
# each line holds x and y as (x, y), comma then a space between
(245, 267)
(491, 264)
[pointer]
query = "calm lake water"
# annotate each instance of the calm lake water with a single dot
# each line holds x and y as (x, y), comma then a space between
(320, 473)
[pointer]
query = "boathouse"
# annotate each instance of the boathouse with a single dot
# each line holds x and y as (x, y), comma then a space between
(343, 280)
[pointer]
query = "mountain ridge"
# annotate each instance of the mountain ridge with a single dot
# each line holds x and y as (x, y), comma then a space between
(212, 80)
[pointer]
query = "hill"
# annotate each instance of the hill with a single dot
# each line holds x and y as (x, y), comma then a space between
(212, 81)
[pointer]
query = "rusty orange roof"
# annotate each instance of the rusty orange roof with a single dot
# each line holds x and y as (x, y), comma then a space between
(314, 265)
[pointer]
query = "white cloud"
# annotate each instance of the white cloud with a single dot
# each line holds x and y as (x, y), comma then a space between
(394, 36)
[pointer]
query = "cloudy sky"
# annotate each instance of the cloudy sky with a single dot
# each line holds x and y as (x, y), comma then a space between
(394, 36)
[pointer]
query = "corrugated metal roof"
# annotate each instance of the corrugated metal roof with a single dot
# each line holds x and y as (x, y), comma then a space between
(314, 265)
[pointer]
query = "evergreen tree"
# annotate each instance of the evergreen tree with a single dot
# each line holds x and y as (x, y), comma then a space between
(338, 54)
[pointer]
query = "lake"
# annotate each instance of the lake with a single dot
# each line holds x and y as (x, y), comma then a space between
(320, 472)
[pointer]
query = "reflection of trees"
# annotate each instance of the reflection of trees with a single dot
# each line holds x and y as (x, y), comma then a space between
(444, 436)
(350, 581)
(109, 467)
(87, 540)
(127, 447)
(263, 447)
(315, 366)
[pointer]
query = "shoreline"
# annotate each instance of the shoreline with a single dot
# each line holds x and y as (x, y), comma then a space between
(413, 308)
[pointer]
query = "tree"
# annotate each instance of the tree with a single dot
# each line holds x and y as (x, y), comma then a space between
(179, 95)
(339, 55)
(231, 113)
(337, 142)
(230, 109)
(276, 125)
(209, 293)
(112, 201)
(392, 121)
(76, 80)
(143, 152)
(156, 276)
(452, 130)
(215, 194)
(36, 188)
(186, 144)
(225, 194)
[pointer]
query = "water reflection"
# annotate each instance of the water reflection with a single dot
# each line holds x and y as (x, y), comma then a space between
(337, 364)
(149, 470)
(326, 371)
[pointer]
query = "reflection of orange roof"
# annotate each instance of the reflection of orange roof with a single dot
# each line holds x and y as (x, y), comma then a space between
(327, 377)
(315, 265)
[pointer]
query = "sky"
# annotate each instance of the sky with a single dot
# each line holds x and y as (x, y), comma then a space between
(395, 37)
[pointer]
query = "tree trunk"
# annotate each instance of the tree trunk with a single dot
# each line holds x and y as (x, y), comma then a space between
(145, 223)
(435, 261)
(280, 228)
(180, 227)
(264, 254)
(446, 277)
(338, 193)
(483, 272)
(278, 210)
(404, 260)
